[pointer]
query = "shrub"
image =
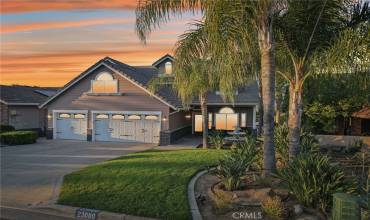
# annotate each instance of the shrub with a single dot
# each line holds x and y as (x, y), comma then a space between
(18, 137)
(6, 128)
(308, 143)
(246, 150)
(313, 180)
(355, 146)
(233, 167)
(216, 139)
(273, 207)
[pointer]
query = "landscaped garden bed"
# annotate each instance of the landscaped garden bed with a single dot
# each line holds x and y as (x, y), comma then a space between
(301, 188)
(152, 183)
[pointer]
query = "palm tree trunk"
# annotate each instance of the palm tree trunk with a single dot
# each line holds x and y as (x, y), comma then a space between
(260, 109)
(203, 106)
(278, 108)
(294, 121)
(268, 94)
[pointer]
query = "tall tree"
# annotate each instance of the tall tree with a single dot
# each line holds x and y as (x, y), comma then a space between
(228, 23)
(306, 31)
(194, 75)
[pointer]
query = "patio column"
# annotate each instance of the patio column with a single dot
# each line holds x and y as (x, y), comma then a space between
(254, 117)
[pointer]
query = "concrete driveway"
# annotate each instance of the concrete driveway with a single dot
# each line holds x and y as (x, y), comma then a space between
(31, 174)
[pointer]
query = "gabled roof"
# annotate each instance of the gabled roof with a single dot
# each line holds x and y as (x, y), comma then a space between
(162, 59)
(139, 76)
(25, 95)
(247, 95)
(142, 75)
(362, 113)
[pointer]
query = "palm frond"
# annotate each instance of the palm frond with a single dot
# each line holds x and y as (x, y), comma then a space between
(151, 13)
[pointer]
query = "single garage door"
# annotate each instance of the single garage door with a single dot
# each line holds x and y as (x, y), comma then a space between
(127, 127)
(72, 126)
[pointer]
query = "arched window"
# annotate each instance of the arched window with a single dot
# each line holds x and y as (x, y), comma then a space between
(104, 83)
(226, 119)
(226, 110)
(168, 67)
(104, 76)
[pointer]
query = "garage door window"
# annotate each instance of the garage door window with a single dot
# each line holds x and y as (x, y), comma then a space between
(118, 117)
(102, 116)
(64, 115)
(151, 117)
(79, 116)
(134, 117)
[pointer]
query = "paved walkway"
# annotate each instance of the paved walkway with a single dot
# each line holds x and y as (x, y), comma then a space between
(31, 174)
(187, 142)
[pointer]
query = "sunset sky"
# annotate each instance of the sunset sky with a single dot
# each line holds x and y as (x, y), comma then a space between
(48, 42)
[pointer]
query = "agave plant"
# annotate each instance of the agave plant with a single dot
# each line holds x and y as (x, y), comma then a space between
(233, 167)
(216, 139)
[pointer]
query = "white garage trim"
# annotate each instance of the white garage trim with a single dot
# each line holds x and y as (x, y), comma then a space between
(55, 112)
(94, 112)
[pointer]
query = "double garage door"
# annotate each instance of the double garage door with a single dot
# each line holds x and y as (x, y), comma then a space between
(106, 126)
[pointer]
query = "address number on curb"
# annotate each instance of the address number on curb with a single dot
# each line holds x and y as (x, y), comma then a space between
(89, 214)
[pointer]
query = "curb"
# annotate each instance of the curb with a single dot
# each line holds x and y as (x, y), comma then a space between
(61, 212)
(194, 209)
(69, 211)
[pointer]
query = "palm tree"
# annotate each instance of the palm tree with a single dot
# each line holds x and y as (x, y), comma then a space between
(247, 18)
(194, 77)
(307, 32)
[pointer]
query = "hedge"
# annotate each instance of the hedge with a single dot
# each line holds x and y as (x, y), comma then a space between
(18, 137)
(6, 128)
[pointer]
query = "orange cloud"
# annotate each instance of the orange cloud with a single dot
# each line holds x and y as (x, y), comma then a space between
(20, 6)
(59, 68)
(61, 24)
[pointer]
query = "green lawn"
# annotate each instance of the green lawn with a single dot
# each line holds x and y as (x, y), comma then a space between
(151, 183)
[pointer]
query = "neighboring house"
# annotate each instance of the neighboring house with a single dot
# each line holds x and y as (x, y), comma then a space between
(110, 101)
(19, 106)
(360, 122)
(357, 125)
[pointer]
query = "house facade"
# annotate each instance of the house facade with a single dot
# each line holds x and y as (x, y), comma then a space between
(19, 106)
(111, 101)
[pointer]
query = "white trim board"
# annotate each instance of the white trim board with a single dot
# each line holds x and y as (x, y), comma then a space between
(70, 85)
(115, 71)
(167, 56)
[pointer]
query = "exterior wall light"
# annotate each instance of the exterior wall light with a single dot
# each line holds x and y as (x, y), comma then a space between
(164, 118)
(188, 116)
(50, 116)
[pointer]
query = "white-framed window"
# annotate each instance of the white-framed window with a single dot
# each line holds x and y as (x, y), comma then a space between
(226, 119)
(168, 67)
(102, 116)
(64, 115)
(198, 121)
(79, 116)
(243, 119)
(118, 117)
(151, 117)
(104, 83)
(134, 117)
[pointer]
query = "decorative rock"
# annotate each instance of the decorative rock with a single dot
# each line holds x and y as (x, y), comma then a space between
(282, 193)
(298, 209)
(234, 196)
